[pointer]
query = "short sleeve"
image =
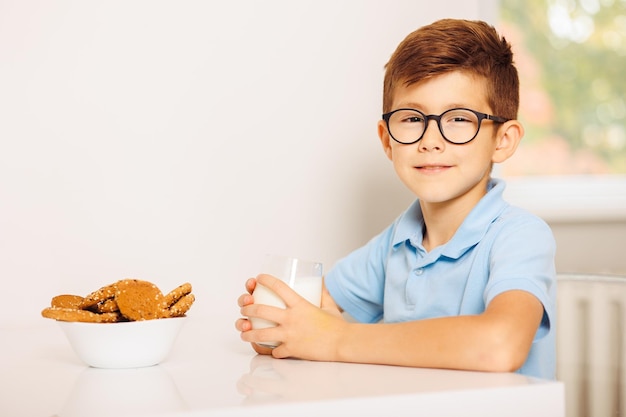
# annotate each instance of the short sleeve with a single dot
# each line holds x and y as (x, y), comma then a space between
(357, 281)
(522, 258)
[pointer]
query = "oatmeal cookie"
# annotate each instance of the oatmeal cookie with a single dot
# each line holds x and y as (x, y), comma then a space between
(139, 300)
(107, 306)
(98, 296)
(73, 314)
(66, 301)
(124, 300)
(181, 306)
(176, 294)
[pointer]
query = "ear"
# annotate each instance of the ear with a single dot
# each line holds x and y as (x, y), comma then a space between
(508, 138)
(385, 139)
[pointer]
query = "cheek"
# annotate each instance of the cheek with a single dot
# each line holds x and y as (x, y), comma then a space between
(479, 161)
(403, 163)
(400, 154)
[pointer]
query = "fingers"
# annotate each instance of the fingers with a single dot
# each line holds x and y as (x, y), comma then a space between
(243, 325)
(250, 285)
(280, 352)
(261, 350)
(244, 300)
(262, 335)
(249, 309)
(266, 312)
(288, 295)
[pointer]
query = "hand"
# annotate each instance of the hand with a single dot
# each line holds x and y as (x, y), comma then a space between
(243, 324)
(306, 331)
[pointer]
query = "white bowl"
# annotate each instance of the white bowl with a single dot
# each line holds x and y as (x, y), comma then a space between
(132, 344)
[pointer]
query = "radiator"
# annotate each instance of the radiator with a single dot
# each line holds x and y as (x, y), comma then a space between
(591, 344)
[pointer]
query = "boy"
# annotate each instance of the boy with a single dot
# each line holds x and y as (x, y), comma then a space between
(461, 279)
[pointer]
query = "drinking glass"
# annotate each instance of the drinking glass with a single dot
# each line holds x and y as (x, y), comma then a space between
(303, 276)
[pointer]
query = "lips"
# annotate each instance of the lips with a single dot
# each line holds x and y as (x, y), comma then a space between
(433, 167)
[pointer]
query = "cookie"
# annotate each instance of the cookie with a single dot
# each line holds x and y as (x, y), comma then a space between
(176, 294)
(124, 300)
(66, 301)
(181, 306)
(139, 300)
(73, 314)
(98, 296)
(107, 306)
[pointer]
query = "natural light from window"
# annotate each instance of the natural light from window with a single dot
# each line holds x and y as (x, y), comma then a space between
(571, 56)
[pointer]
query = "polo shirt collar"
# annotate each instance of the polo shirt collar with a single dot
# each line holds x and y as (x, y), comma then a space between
(410, 225)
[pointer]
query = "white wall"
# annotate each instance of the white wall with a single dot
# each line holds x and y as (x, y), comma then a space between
(587, 215)
(179, 141)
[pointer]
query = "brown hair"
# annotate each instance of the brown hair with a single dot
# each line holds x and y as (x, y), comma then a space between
(449, 45)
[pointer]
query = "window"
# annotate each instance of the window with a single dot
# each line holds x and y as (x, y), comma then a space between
(571, 55)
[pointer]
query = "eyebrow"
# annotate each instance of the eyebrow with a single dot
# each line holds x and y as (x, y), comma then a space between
(418, 106)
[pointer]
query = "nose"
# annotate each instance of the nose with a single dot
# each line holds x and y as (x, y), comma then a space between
(432, 139)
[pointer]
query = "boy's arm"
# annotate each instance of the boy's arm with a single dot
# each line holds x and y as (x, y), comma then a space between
(497, 340)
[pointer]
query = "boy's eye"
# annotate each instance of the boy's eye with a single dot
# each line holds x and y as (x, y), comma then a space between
(414, 119)
(411, 117)
(457, 118)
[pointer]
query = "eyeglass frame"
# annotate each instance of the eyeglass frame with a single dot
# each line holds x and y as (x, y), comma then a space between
(428, 117)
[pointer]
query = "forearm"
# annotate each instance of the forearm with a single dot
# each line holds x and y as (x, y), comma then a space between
(497, 340)
(463, 342)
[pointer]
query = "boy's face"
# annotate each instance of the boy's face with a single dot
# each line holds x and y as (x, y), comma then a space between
(438, 171)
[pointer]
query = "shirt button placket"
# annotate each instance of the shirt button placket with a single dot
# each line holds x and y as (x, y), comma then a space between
(413, 286)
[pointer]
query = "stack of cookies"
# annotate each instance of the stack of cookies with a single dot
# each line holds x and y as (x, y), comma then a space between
(124, 300)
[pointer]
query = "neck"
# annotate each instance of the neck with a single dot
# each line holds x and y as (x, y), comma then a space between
(442, 220)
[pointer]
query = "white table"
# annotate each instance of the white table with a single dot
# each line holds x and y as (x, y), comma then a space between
(211, 372)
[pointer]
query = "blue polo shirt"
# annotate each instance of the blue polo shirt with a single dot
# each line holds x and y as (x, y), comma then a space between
(497, 248)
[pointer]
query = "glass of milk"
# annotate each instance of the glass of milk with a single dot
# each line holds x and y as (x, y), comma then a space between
(304, 277)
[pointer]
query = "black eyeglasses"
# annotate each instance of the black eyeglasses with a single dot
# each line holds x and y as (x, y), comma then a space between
(457, 126)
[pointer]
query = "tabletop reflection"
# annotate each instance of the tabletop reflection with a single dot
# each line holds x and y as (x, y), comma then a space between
(145, 391)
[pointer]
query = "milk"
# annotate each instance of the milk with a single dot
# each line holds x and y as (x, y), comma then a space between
(308, 287)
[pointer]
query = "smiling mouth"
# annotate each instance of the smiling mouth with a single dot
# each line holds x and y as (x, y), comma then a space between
(432, 167)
